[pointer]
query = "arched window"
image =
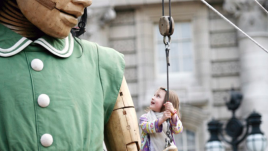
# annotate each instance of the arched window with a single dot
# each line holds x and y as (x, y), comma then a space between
(185, 141)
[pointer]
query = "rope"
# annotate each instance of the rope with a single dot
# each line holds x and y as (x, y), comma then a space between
(234, 25)
(261, 6)
(169, 8)
(167, 49)
(163, 8)
(168, 64)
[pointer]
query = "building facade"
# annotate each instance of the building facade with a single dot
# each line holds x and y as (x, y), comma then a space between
(208, 57)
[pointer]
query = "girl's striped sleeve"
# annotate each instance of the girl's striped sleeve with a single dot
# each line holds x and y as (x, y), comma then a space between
(176, 126)
(149, 126)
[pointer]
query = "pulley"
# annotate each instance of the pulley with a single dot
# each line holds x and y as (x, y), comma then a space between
(166, 24)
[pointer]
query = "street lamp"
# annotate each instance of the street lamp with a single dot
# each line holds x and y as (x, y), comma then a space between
(256, 141)
(214, 143)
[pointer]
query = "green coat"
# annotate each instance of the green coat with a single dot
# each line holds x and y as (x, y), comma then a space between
(82, 86)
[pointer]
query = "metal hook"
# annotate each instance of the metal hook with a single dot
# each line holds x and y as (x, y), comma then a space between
(165, 40)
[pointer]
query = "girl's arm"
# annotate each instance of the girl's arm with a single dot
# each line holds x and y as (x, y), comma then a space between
(149, 126)
(176, 125)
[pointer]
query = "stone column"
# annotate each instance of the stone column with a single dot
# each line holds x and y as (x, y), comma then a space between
(253, 60)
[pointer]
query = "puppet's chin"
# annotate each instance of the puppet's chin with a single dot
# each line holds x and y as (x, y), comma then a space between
(54, 23)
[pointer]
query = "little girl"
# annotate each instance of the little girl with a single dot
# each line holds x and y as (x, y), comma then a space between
(153, 123)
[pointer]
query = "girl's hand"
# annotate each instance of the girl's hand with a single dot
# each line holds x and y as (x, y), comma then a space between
(166, 115)
(169, 107)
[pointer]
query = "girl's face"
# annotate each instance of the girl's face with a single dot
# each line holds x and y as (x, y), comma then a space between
(157, 100)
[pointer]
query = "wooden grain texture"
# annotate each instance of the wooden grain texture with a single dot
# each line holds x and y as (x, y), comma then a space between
(124, 98)
(132, 147)
(119, 102)
(13, 4)
(6, 16)
(122, 130)
(47, 3)
(14, 23)
(7, 11)
(13, 10)
(12, 18)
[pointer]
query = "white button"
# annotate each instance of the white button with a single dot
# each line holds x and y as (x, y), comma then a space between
(43, 100)
(37, 64)
(46, 140)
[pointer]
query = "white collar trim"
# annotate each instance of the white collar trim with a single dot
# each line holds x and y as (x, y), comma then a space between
(64, 53)
(24, 42)
(18, 47)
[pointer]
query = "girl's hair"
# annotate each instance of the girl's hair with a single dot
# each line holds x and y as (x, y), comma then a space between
(173, 98)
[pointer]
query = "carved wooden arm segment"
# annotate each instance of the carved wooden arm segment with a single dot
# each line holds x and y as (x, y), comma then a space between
(122, 132)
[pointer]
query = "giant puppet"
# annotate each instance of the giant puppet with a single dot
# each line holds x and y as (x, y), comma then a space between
(57, 92)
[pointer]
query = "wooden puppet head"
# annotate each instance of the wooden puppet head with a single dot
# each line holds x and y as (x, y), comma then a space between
(53, 17)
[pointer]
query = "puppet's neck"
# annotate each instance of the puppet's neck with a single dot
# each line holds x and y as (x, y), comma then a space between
(12, 18)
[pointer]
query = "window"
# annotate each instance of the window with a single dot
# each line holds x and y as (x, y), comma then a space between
(181, 53)
(185, 141)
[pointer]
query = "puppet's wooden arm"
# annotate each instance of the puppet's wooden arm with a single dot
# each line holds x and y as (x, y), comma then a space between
(122, 131)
